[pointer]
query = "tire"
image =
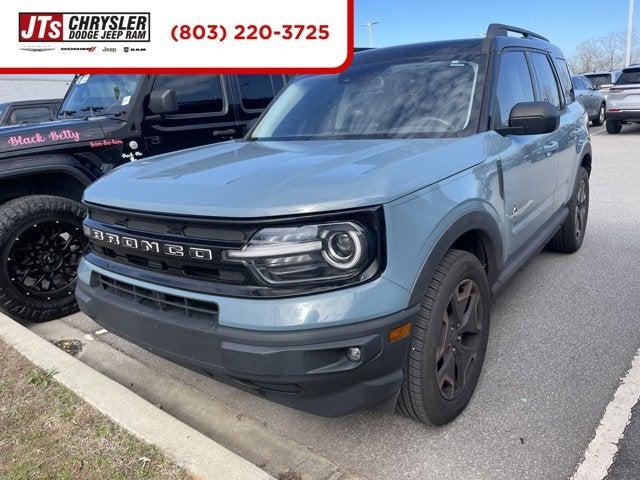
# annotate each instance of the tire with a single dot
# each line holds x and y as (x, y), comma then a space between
(613, 128)
(41, 243)
(571, 235)
(602, 115)
(427, 395)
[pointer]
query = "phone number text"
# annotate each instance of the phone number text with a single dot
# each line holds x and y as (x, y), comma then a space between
(220, 33)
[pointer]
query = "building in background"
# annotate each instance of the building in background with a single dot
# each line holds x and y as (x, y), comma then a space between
(33, 87)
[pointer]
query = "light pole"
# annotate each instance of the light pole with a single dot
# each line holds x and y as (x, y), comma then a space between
(629, 34)
(370, 25)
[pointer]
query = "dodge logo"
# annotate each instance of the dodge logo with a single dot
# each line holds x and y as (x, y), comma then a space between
(150, 246)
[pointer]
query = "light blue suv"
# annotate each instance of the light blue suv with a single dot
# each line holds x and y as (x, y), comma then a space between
(345, 253)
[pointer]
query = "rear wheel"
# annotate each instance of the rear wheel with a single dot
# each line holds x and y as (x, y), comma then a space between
(571, 235)
(41, 243)
(613, 127)
(448, 343)
(599, 120)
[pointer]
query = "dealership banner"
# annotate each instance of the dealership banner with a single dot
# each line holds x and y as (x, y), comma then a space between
(189, 36)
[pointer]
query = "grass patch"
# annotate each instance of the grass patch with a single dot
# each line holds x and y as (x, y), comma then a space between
(47, 432)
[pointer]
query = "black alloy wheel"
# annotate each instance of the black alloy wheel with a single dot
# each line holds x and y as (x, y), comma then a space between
(459, 340)
(43, 259)
(41, 244)
(448, 341)
(581, 208)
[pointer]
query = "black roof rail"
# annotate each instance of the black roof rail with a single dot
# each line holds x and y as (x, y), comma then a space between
(501, 30)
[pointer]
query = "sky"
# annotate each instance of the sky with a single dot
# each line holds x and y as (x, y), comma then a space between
(566, 23)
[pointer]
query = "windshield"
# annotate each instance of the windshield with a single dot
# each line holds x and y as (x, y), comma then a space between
(91, 95)
(629, 76)
(423, 98)
(600, 79)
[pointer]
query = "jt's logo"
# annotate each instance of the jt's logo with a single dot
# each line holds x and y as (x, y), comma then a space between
(40, 27)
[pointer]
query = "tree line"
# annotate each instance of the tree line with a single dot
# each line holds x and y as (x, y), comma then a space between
(604, 54)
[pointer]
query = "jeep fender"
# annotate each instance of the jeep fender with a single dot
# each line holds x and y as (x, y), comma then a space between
(24, 166)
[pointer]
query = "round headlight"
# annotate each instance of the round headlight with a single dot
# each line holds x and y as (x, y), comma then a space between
(343, 249)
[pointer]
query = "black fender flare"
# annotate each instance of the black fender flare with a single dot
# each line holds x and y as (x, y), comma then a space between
(479, 221)
(37, 164)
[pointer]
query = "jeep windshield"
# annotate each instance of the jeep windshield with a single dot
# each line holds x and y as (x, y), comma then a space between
(92, 95)
(418, 98)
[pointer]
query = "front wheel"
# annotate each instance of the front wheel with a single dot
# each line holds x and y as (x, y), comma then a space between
(602, 114)
(613, 127)
(448, 343)
(41, 243)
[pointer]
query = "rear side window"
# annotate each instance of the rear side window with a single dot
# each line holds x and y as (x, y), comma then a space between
(547, 84)
(29, 115)
(256, 91)
(514, 85)
(195, 93)
(579, 83)
(565, 79)
(629, 76)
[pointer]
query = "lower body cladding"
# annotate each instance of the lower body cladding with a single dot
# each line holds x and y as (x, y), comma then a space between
(314, 370)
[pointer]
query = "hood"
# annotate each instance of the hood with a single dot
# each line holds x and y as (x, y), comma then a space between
(45, 134)
(258, 179)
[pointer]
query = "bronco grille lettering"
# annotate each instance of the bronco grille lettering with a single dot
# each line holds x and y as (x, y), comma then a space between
(150, 246)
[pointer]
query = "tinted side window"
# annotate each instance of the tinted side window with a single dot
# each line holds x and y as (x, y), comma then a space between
(565, 79)
(256, 91)
(547, 84)
(514, 85)
(194, 93)
(577, 84)
(31, 114)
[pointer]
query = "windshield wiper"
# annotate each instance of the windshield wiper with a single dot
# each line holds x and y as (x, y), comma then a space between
(66, 113)
(91, 109)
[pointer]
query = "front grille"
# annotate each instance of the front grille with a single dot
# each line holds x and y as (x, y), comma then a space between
(213, 235)
(152, 299)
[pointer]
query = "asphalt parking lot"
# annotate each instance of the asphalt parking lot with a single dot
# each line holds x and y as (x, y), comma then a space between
(564, 332)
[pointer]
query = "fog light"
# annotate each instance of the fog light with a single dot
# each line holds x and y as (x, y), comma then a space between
(354, 354)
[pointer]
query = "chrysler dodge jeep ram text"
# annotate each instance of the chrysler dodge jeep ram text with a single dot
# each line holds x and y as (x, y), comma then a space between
(344, 254)
(104, 121)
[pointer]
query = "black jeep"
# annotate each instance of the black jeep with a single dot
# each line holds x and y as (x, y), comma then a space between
(103, 122)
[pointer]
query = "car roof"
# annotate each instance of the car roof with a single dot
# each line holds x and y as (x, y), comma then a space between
(496, 39)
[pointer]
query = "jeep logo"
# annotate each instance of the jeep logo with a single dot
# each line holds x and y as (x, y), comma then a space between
(108, 238)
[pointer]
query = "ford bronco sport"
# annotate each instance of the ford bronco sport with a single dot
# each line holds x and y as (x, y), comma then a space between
(104, 121)
(344, 254)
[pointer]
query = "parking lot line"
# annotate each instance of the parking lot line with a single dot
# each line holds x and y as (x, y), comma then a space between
(599, 131)
(602, 449)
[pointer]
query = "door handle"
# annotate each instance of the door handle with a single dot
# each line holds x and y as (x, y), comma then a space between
(224, 133)
(550, 147)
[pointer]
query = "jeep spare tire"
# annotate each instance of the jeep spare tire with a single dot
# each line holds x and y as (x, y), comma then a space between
(41, 243)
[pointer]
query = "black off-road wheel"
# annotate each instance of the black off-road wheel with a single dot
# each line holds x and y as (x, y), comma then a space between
(449, 341)
(571, 235)
(41, 243)
(613, 128)
(602, 115)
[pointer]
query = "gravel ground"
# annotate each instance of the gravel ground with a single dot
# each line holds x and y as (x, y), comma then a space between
(563, 332)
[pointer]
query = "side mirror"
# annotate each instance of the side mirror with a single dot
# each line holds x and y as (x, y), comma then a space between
(163, 101)
(532, 118)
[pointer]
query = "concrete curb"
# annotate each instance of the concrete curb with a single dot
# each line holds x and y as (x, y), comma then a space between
(197, 453)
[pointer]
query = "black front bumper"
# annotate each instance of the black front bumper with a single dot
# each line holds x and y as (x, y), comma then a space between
(306, 369)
